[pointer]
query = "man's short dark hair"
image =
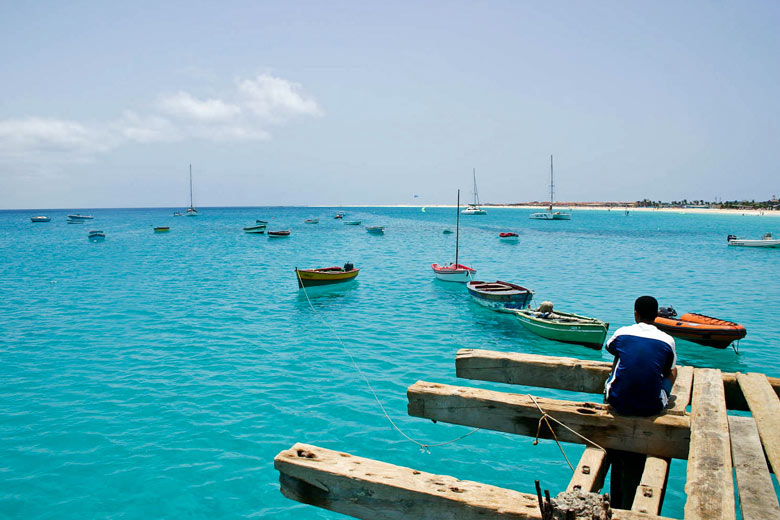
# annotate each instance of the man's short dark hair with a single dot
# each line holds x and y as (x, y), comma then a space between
(646, 307)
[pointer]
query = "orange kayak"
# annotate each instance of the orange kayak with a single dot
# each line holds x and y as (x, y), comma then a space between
(702, 329)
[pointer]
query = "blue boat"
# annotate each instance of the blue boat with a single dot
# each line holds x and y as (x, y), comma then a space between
(96, 236)
(500, 296)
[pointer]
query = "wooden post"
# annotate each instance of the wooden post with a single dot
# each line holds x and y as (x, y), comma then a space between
(709, 485)
(650, 493)
(590, 472)
(661, 436)
(757, 498)
(765, 406)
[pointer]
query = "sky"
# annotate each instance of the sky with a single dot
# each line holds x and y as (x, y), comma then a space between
(106, 104)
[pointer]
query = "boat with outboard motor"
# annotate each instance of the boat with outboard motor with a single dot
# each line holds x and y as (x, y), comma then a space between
(698, 328)
(765, 241)
(500, 296)
(563, 326)
(326, 275)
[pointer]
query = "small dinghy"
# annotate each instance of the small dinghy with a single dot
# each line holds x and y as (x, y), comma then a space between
(563, 326)
(453, 272)
(78, 216)
(162, 229)
(352, 222)
(326, 275)
(256, 230)
(500, 296)
(40, 219)
(447, 232)
(312, 221)
(698, 328)
(376, 230)
(508, 237)
(96, 236)
(278, 234)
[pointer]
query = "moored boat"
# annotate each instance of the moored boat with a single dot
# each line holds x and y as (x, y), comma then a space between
(278, 234)
(447, 231)
(500, 296)
(79, 217)
(339, 215)
(765, 241)
(96, 236)
(563, 326)
(454, 272)
(352, 222)
(326, 275)
(178, 214)
(698, 328)
(258, 221)
(191, 211)
(40, 219)
(75, 221)
(551, 214)
(376, 230)
(474, 208)
(257, 230)
(312, 221)
(508, 237)
(162, 229)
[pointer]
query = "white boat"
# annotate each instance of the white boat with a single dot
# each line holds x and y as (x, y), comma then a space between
(551, 214)
(454, 272)
(312, 221)
(765, 241)
(474, 208)
(258, 229)
(40, 219)
(191, 211)
(352, 222)
(79, 216)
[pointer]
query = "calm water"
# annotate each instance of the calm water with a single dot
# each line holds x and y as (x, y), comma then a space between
(158, 375)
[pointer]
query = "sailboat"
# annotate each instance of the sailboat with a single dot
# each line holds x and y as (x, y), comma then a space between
(550, 214)
(454, 272)
(191, 211)
(474, 209)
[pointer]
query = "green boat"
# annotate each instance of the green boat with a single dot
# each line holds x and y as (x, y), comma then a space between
(564, 326)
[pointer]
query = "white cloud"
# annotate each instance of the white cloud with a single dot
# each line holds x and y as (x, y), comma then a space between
(185, 105)
(275, 100)
(247, 112)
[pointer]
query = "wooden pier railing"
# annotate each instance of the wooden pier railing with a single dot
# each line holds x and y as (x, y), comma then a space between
(713, 442)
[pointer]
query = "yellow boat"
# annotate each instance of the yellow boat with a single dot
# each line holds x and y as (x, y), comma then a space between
(326, 275)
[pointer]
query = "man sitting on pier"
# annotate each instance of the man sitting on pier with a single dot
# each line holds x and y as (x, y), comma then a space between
(640, 384)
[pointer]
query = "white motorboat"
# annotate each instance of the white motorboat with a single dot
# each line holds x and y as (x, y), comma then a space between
(765, 241)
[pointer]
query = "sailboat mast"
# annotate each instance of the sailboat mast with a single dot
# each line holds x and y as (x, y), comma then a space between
(457, 229)
(191, 185)
(476, 193)
(551, 182)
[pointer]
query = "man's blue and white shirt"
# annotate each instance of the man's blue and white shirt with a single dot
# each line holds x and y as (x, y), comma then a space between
(644, 354)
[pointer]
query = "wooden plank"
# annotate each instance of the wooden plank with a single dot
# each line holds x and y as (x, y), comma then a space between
(662, 436)
(681, 391)
(709, 484)
(589, 474)
(765, 407)
(365, 488)
(577, 375)
(650, 492)
(757, 498)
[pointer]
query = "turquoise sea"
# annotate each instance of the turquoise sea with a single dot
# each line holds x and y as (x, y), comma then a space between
(157, 375)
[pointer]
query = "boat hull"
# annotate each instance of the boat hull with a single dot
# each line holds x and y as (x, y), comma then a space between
(590, 334)
(453, 273)
(473, 212)
(773, 243)
(162, 229)
(326, 276)
(278, 234)
(703, 330)
(78, 217)
(500, 296)
(352, 222)
(376, 230)
(40, 219)
(255, 230)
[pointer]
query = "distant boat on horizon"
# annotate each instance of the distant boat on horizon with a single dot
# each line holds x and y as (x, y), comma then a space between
(191, 211)
(474, 208)
(550, 214)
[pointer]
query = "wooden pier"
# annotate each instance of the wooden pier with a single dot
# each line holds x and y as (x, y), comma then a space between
(722, 450)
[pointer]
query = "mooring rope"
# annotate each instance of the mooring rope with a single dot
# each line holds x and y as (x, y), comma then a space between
(424, 447)
(545, 416)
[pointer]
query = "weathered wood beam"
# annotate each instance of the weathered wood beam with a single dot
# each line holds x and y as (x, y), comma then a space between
(681, 391)
(365, 488)
(765, 407)
(650, 493)
(709, 485)
(590, 471)
(757, 498)
(662, 436)
(577, 375)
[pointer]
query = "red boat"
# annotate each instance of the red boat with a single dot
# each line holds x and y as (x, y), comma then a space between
(698, 328)
(508, 236)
